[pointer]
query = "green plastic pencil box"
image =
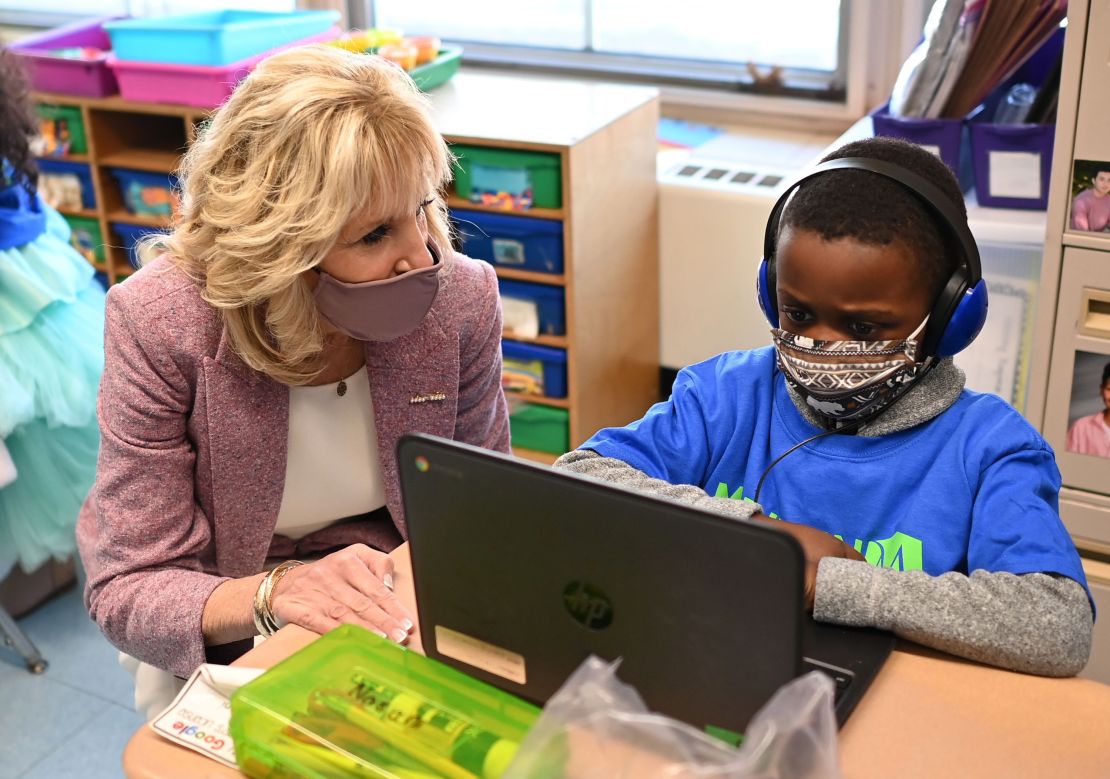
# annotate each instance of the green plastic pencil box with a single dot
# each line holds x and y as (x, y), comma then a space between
(352, 704)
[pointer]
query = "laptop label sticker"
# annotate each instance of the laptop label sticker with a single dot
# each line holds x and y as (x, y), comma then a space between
(487, 657)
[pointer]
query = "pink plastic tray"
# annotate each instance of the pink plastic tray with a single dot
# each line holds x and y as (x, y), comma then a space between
(51, 73)
(194, 85)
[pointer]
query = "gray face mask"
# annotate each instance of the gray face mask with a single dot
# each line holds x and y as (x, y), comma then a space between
(379, 310)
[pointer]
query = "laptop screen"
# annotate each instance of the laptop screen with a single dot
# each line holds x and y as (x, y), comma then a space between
(522, 571)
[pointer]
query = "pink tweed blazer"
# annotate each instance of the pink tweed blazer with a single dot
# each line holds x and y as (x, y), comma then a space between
(193, 446)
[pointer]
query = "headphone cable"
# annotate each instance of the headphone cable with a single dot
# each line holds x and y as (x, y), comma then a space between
(759, 487)
(851, 427)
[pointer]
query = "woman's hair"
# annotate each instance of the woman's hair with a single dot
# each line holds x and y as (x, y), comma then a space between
(313, 136)
(1105, 375)
(17, 123)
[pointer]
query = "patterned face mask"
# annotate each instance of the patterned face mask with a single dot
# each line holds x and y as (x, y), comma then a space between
(849, 380)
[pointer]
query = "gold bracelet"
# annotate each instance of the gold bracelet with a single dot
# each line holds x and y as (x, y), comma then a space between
(263, 607)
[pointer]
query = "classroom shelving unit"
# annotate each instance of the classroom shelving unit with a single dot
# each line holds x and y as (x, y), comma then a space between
(122, 134)
(605, 139)
(1073, 315)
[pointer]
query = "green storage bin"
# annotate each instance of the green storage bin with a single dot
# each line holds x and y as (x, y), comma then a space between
(540, 428)
(86, 237)
(353, 704)
(63, 130)
(507, 178)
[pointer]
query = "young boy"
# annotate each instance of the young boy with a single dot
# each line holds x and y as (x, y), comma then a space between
(1091, 434)
(925, 509)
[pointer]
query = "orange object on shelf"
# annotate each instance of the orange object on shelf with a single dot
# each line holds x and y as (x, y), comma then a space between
(403, 54)
(427, 47)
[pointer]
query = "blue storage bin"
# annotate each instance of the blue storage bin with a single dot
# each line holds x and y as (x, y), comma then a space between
(78, 169)
(213, 38)
(550, 303)
(941, 136)
(130, 235)
(521, 242)
(150, 194)
(101, 279)
(533, 370)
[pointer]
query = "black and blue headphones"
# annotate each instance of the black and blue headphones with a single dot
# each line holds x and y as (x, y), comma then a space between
(961, 308)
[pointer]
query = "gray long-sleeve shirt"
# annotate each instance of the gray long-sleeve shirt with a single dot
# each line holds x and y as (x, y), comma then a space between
(1035, 623)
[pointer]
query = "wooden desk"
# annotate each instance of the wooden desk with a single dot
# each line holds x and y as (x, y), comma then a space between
(926, 715)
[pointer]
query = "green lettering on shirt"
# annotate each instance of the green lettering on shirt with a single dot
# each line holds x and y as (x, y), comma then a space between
(901, 552)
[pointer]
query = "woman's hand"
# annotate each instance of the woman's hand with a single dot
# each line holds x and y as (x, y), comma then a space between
(353, 585)
(815, 544)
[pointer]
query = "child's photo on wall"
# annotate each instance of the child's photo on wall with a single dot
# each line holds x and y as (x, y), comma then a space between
(1089, 413)
(1090, 191)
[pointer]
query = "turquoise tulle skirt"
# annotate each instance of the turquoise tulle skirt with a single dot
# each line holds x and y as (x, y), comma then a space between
(51, 357)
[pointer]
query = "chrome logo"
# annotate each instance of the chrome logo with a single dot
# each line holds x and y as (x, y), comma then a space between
(422, 464)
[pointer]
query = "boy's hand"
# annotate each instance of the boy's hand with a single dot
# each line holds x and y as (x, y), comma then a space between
(815, 544)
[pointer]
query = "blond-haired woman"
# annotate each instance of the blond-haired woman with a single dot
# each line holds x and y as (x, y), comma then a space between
(306, 312)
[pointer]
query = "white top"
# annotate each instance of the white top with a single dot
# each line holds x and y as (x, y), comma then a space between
(332, 471)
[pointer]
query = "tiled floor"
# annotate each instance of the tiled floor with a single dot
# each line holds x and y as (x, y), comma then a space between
(73, 720)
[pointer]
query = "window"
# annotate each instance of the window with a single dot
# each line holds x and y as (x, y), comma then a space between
(691, 43)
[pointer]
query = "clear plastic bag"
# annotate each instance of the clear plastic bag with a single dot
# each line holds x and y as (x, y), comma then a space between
(597, 727)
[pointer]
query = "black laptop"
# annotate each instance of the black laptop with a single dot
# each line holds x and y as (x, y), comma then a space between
(522, 571)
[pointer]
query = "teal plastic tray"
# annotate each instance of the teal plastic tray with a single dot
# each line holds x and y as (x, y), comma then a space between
(213, 38)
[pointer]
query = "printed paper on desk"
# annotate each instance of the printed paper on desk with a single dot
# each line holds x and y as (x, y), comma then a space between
(199, 716)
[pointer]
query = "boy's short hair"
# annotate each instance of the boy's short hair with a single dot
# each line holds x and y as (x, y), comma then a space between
(1105, 375)
(878, 211)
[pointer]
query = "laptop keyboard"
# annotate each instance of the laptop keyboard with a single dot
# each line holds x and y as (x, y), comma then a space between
(841, 677)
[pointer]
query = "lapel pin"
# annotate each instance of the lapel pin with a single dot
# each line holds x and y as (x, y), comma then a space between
(433, 397)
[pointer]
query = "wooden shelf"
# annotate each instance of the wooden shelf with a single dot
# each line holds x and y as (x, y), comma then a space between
(539, 400)
(539, 213)
(554, 279)
(65, 158)
(557, 341)
(88, 213)
(543, 458)
(153, 160)
(124, 269)
(126, 217)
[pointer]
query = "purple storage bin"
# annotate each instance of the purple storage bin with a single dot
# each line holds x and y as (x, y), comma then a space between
(939, 135)
(1027, 139)
(51, 73)
(202, 86)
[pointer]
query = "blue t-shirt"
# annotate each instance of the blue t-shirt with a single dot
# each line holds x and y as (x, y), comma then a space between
(973, 488)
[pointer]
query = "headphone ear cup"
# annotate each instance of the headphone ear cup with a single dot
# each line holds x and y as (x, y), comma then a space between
(766, 295)
(966, 321)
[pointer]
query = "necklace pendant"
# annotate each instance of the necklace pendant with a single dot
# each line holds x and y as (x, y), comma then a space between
(341, 388)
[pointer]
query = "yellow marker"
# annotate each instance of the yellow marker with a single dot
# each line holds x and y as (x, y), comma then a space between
(408, 773)
(328, 762)
(392, 735)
